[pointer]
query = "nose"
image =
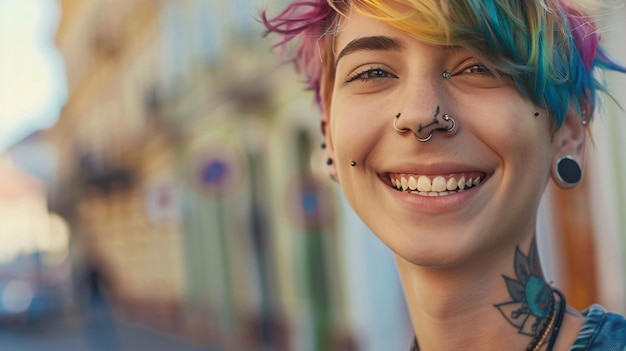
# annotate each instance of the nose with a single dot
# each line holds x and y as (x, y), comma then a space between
(425, 129)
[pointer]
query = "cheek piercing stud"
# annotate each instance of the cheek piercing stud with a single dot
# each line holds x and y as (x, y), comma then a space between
(447, 74)
(353, 164)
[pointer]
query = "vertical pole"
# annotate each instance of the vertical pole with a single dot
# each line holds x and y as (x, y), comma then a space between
(228, 317)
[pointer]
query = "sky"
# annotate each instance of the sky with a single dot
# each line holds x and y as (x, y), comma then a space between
(32, 74)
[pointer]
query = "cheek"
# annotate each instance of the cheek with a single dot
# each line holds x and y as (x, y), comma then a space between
(520, 140)
(356, 129)
(512, 129)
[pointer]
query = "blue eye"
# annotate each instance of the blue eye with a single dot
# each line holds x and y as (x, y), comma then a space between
(370, 74)
(377, 73)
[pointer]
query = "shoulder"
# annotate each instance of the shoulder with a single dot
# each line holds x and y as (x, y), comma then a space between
(602, 330)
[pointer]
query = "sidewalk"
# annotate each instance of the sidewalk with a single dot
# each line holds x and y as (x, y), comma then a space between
(76, 337)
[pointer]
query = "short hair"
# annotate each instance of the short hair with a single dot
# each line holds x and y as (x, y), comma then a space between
(549, 49)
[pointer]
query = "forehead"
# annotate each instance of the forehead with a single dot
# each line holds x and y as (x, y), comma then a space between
(355, 25)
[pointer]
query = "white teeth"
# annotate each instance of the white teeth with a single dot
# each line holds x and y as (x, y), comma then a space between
(461, 183)
(439, 184)
(423, 184)
(412, 183)
(451, 185)
(476, 181)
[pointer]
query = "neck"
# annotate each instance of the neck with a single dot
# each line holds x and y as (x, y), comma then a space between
(480, 305)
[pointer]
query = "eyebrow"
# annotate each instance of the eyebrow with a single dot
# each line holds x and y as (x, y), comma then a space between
(373, 43)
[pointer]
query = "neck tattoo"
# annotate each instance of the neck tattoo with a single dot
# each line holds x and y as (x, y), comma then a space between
(533, 308)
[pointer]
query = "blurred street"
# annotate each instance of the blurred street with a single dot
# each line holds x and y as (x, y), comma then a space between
(71, 336)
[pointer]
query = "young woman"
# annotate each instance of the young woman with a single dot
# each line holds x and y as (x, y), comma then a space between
(444, 120)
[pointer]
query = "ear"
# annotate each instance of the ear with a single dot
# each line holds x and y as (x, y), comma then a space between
(328, 145)
(569, 148)
(325, 101)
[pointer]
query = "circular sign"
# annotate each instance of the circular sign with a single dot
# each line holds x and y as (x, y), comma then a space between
(309, 204)
(219, 170)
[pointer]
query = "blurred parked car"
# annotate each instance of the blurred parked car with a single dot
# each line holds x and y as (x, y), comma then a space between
(33, 290)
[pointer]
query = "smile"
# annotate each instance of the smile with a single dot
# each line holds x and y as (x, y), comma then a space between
(435, 185)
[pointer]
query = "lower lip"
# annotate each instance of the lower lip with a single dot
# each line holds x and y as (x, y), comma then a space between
(435, 204)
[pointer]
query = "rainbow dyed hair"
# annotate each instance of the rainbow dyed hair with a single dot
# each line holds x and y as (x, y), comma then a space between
(549, 49)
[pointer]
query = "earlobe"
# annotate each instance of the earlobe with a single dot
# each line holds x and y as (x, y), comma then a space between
(567, 172)
(569, 152)
(328, 146)
(325, 102)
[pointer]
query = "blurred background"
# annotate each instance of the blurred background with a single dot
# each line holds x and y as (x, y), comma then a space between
(162, 188)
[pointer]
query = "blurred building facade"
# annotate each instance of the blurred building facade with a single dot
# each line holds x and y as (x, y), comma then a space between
(188, 162)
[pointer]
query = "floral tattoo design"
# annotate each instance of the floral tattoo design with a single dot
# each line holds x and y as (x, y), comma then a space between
(531, 296)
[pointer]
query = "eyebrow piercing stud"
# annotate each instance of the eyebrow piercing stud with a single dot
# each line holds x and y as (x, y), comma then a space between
(447, 74)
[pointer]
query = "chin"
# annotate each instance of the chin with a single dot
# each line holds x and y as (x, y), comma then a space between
(432, 251)
(446, 259)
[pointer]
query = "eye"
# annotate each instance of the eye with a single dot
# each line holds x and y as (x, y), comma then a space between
(477, 69)
(369, 74)
(471, 73)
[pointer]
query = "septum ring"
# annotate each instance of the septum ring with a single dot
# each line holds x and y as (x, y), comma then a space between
(435, 125)
(446, 118)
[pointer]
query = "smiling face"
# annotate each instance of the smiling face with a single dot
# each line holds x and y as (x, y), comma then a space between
(497, 142)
